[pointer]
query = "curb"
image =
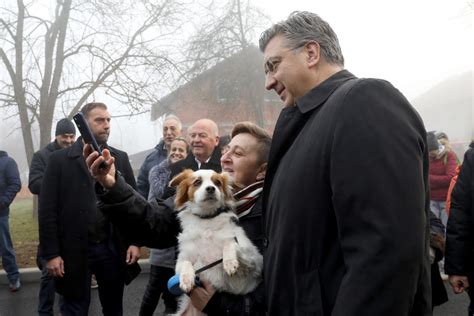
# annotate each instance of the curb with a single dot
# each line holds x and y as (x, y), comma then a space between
(31, 275)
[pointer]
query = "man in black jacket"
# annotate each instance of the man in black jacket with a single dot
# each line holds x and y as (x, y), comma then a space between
(65, 135)
(346, 228)
(75, 238)
(460, 231)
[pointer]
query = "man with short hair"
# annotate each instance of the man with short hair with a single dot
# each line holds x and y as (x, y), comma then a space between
(171, 129)
(75, 238)
(203, 137)
(10, 185)
(346, 203)
(65, 135)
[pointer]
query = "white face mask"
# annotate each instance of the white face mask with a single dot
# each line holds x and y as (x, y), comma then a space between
(441, 148)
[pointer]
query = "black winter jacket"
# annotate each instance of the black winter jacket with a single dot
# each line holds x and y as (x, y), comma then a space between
(38, 166)
(460, 231)
(10, 182)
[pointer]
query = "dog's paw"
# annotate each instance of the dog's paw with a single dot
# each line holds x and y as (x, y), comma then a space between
(186, 282)
(231, 266)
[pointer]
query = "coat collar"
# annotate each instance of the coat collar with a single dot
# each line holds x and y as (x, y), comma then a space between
(319, 94)
(293, 119)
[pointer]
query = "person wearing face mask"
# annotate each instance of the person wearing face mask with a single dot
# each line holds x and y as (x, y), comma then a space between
(442, 169)
(162, 261)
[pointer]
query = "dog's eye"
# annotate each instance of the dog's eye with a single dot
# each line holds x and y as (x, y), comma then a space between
(197, 183)
(218, 183)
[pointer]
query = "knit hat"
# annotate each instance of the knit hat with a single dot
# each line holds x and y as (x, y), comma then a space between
(431, 141)
(65, 126)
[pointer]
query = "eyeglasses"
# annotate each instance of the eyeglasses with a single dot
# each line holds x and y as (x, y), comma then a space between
(271, 65)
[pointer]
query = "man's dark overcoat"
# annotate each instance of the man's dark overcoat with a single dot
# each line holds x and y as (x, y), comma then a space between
(67, 202)
(346, 203)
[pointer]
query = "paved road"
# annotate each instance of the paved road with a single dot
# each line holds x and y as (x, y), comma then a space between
(23, 303)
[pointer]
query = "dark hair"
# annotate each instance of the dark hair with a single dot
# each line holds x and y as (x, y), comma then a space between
(92, 105)
(264, 139)
(303, 27)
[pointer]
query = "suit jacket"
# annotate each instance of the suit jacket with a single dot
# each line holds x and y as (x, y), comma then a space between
(346, 203)
(67, 200)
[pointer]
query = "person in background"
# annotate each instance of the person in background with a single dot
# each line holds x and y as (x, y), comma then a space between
(75, 238)
(171, 129)
(442, 170)
(444, 140)
(346, 229)
(460, 231)
(162, 261)
(10, 185)
(65, 135)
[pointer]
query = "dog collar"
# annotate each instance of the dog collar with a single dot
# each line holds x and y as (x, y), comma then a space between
(219, 211)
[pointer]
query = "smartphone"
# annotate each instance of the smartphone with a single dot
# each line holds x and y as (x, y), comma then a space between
(87, 135)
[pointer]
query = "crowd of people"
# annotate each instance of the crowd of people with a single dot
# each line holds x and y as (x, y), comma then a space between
(351, 217)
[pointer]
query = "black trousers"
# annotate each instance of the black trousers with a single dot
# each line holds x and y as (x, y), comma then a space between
(158, 286)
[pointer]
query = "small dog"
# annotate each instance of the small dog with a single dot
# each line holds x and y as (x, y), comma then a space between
(210, 232)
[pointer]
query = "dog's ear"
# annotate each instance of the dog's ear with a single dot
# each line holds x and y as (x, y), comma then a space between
(182, 187)
(180, 177)
(181, 195)
(227, 184)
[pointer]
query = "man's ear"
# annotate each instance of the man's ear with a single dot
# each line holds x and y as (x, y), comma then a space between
(313, 53)
(262, 170)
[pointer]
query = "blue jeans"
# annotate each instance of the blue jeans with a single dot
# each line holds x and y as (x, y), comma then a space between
(106, 266)
(6, 251)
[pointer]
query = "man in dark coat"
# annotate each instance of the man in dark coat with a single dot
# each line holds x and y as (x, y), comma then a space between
(10, 184)
(65, 135)
(171, 129)
(75, 238)
(346, 193)
(459, 259)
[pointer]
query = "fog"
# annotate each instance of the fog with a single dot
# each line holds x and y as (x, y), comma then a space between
(416, 45)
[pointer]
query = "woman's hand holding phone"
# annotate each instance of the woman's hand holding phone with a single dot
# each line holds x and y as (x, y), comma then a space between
(104, 174)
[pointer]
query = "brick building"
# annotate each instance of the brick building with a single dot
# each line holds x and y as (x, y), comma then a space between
(230, 92)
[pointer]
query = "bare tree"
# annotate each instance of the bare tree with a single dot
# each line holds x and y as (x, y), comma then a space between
(228, 30)
(120, 48)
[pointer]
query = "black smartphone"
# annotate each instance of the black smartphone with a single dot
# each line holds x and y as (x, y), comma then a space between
(87, 135)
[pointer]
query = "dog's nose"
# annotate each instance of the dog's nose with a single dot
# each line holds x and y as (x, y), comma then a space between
(210, 189)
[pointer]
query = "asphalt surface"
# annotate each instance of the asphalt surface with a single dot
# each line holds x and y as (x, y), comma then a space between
(23, 302)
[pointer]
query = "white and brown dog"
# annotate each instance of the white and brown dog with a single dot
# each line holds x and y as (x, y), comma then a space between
(210, 232)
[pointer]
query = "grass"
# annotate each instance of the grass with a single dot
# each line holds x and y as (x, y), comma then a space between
(24, 233)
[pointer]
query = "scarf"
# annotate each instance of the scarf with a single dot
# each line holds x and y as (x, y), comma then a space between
(246, 198)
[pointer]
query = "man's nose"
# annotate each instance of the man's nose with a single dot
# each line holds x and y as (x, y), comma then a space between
(269, 81)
